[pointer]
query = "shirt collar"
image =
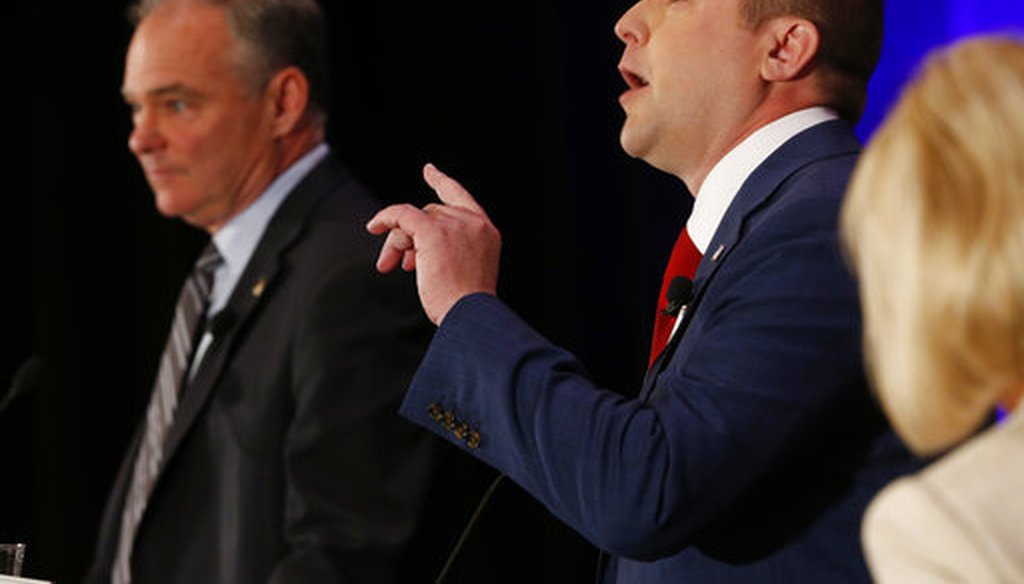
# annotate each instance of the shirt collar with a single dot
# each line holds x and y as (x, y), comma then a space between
(728, 175)
(237, 239)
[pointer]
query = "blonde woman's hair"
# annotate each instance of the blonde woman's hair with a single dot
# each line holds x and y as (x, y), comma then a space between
(934, 226)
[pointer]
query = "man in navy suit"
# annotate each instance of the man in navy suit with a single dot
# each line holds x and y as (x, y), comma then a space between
(754, 445)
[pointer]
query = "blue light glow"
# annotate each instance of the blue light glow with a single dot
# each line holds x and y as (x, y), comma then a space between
(914, 27)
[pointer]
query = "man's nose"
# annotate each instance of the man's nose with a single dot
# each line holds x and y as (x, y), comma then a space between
(630, 27)
(146, 136)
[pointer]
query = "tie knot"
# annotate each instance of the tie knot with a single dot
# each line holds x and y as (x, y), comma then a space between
(208, 260)
(202, 273)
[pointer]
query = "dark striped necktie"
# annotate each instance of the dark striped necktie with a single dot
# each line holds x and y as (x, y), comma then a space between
(174, 367)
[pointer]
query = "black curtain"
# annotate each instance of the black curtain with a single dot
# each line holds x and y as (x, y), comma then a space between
(517, 101)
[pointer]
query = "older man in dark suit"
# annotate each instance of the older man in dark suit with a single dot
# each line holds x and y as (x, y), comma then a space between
(270, 451)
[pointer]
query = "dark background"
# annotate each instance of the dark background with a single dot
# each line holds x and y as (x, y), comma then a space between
(516, 100)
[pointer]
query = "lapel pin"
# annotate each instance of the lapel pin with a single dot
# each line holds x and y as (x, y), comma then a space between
(259, 287)
(718, 252)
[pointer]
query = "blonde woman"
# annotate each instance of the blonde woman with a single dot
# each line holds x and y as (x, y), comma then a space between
(934, 225)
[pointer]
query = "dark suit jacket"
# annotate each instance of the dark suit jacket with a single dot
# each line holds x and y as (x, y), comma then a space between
(754, 445)
(287, 461)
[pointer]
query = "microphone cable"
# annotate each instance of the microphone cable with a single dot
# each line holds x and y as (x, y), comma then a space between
(24, 380)
(464, 536)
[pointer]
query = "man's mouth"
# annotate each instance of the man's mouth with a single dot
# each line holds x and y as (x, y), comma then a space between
(160, 170)
(633, 80)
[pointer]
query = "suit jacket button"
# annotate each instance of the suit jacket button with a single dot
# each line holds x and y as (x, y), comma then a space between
(473, 440)
(449, 421)
(435, 412)
(461, 431)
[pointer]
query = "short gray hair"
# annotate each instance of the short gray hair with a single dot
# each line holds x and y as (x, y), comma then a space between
(273, 34)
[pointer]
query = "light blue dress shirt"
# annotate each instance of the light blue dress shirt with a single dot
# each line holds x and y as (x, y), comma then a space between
(237, 239)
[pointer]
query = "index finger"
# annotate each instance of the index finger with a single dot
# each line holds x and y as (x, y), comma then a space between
(449, 190)
(402, 216)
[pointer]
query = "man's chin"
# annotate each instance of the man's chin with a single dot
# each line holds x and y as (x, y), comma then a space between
(170, 203)
(630, 144)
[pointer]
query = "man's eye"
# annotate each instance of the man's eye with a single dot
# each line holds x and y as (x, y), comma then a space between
(177, 105)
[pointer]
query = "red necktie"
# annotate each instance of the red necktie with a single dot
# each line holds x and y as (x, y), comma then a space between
(683, 262)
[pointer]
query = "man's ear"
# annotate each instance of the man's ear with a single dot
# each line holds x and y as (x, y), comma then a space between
(288, 91)
(793, 45)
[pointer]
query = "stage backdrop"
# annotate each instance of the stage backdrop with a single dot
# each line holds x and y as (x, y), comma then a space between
(517, 100)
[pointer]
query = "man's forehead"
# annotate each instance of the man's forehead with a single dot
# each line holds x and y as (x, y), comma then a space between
(161, 61)
(175, 35)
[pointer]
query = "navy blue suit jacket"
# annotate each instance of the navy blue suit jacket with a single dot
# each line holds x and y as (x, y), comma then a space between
(754, 445)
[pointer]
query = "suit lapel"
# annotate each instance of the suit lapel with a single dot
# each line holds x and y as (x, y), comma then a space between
(827, 140)
(257, 283)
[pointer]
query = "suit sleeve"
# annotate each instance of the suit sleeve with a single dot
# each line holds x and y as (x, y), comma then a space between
(772, 351)
(355, 472)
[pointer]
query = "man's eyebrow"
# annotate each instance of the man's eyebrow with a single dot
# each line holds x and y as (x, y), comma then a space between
(166, 90)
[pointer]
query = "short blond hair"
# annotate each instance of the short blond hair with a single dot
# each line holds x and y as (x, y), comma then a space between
(934, 226)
